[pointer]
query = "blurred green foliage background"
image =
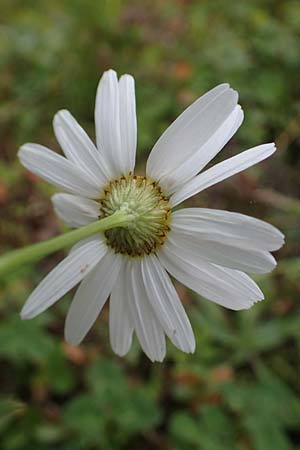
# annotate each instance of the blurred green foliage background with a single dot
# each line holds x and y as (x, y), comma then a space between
(241, 389)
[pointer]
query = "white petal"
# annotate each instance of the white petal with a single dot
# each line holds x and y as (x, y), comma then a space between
(195, 163)
(91, 297)
(191, 130)
(120, 326)
(99, 237)
(247, 260)
(148, 330)
(108, 123)
(227, 287)
(79, 148)
(128, 120)
(228, 228)
(223, 170)
(75, 211)
(57, 170)
(167, 305)
(63, 277)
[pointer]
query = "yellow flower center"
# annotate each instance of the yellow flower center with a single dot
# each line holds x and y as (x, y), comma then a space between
(143, 198)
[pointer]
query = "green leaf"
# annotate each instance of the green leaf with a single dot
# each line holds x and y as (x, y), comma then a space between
(9, 409)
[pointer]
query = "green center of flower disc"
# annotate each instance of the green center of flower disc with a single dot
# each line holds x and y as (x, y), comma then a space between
(145, 200)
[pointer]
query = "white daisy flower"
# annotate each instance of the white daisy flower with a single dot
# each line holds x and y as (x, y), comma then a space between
(209, 251)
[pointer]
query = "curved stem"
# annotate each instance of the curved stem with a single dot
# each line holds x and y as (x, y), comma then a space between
(18, 258)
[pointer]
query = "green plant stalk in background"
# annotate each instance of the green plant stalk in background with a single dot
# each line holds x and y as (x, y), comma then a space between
(18, 258)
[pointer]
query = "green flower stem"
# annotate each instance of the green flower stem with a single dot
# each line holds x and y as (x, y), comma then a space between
(20, 257)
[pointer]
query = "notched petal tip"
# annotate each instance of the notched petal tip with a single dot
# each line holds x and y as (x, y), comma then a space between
(28, 153)
(108, 76)
(281, 239)
(193, 349)
(225, 85)
(127, 78)
(271, 146)
(257, 293)
(108, 80)
(60, 116)
(156, 360)
(190, 348)
(272, 263)
(259, 296)
(24, 149)
(110, 72)
(120, 353)
(240, 109)
(30, 148)
(257, 300)
(186, 346)
(234, 94)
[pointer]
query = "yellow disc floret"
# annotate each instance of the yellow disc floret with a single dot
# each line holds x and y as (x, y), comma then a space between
(143, 198)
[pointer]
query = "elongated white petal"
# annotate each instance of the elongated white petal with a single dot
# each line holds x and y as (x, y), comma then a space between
(223, 170)
(120, 326)
(195, 162)
(99, 237)
(63, 277)
(167, 305)
(228, 228)
(128, 123)
(91, 297)
(75, 211)
(79, 148)
(148, 329)
(227, 287)
(112, 130)
(247, 260)
(57, 170)
(190, 131)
